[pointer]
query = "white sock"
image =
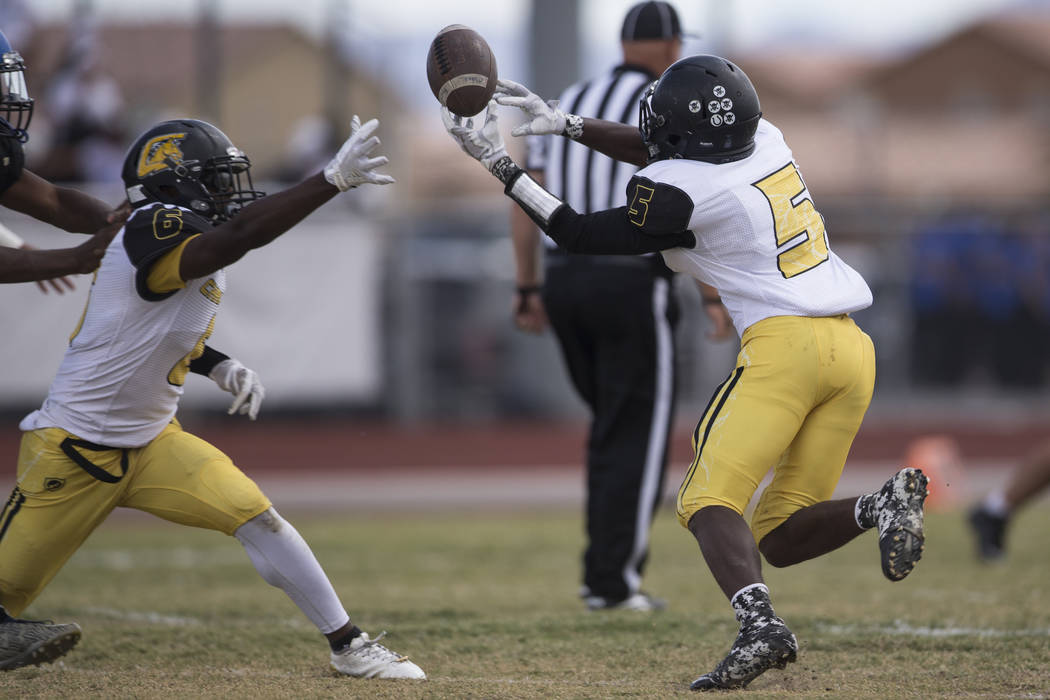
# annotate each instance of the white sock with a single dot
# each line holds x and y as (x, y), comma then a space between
(745, 589)
(284, 560)
(995, 503)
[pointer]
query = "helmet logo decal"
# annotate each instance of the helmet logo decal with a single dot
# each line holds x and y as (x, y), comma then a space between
(719, 91)
(727, 103)
(716, 120)
(158, 151)
(729, 118)
(714, 107)
(166, 223)
(695, 106)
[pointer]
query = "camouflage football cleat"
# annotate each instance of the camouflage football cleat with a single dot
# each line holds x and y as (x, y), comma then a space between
(761, 645)
(899, 517)
(31, 643)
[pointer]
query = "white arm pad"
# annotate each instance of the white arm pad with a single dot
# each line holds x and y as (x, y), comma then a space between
(10, 239)
(536, 201)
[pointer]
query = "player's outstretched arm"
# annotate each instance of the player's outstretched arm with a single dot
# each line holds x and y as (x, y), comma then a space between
(264, 220)
(63, 207)
(604, 232)
(31, 265)
(618, 141)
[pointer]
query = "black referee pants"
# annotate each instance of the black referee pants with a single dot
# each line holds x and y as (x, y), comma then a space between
(614, 317)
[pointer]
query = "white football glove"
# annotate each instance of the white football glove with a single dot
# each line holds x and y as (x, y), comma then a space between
(354, 164)
(483, 144)
(243, 383)
(545, 117)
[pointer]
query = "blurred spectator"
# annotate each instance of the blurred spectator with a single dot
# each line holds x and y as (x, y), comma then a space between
(981, 303)
(17, 22)
(86, 110)
(941, 306)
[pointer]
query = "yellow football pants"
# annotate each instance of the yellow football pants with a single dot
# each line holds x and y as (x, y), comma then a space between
(66, 488)
(793, 403)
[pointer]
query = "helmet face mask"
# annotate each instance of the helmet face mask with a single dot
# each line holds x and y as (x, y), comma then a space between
(702, 108)
(16, 107)
(192, 164)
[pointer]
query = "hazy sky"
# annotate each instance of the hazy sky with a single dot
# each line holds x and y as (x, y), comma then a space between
(392, 36)
(750, 23)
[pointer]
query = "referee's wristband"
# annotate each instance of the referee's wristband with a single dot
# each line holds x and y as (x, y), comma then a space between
(10, 239)
(529, 289)
(711, 300)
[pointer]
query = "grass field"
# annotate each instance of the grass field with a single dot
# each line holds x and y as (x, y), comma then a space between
(486, 605)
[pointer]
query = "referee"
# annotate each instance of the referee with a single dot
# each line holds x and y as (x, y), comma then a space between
(614, 318)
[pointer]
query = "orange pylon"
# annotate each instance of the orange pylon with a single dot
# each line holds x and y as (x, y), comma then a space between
(939, 458)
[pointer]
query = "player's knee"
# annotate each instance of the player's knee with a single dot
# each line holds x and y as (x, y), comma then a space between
(775, 551)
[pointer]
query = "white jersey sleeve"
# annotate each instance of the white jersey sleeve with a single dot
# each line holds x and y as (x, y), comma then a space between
(759, 239)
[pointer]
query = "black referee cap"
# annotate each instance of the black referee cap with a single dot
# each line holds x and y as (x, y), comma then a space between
(651, 20)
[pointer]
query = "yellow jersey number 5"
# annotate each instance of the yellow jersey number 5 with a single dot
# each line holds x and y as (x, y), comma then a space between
(793, 219)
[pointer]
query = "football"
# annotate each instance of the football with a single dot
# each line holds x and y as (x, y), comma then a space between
(461, 70)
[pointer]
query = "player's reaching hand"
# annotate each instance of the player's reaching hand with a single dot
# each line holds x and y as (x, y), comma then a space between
(89, 253)
(529, 313)
(355, 163)
(120, 214)
(544, 116)
(716, 312)
(721, 323)
(59, 284)
(484, 143)
(243, 383)
(83, 259)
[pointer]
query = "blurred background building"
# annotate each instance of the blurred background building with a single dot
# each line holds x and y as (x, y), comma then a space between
(928, 157)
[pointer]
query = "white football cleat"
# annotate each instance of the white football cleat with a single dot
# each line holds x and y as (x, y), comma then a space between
(367, 658)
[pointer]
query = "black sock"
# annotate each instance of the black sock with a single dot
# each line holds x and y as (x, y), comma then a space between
(343, 642)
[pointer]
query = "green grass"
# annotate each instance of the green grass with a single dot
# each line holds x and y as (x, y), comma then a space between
(486, 605)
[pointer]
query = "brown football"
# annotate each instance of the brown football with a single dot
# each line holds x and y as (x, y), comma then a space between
(461, 70)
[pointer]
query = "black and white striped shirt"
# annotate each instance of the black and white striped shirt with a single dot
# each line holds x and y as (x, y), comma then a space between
(583, 178)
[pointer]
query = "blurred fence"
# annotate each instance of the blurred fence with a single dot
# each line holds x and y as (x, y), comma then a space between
(406, 314)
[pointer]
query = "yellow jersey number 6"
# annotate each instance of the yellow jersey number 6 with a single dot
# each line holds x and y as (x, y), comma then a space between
(791, 220)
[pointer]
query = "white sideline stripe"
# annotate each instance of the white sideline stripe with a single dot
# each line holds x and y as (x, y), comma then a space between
(153, 618)
(904, 629)
(156, 618)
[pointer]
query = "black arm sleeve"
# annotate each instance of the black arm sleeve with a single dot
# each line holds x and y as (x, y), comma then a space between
(207, 361)
(609, 232)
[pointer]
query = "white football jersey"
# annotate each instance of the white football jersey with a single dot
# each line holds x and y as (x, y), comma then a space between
(759, 239)
(121, 378)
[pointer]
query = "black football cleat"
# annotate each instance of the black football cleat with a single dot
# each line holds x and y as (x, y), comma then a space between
(31, 643)
(760, 646)
(899, 517)
(990, 530)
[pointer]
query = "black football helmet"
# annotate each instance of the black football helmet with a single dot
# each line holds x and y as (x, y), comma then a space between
(192, 164)
(701, 108)
(16, 107)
